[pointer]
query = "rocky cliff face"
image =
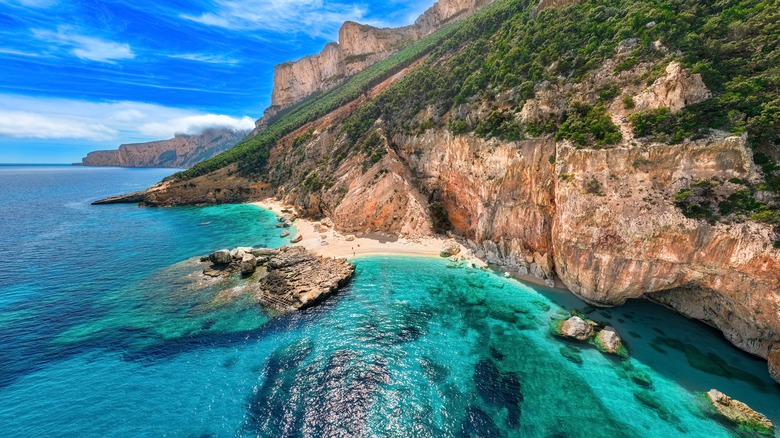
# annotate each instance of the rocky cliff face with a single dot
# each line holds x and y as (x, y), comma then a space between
(601, 217)
(359, 47)
(180, 152)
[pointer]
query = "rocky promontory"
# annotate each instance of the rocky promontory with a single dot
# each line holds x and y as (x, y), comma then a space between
(182, 151)
(285, 279)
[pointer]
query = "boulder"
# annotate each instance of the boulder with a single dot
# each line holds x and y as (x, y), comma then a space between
(297, 239)
(327, 222)
(350, 238)
(221, 257)
(248, 264)
(774, 362)
(609, 341)
(324, 229)
(576, 328)
(284, 233)
(548, 282)
(450, 249)
(739, 412)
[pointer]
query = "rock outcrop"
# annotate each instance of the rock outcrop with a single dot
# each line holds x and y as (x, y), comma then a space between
(576, 328)
(739, 412)
(359, 47)
(285, 279)
(609, 341)
(675, 90)
(183, 151)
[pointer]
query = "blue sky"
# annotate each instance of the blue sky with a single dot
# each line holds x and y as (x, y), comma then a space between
(76, 76)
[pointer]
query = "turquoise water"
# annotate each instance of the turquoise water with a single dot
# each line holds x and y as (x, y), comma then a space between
(105, 332)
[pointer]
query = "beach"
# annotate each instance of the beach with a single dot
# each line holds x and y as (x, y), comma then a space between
(332, 243)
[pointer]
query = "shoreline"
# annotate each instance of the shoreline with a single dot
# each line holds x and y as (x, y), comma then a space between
(335, 244)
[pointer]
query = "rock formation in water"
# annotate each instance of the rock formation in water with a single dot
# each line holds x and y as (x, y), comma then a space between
(739, 412)
(182, 151)
(626, 178)
(359, 47)
(281, 279)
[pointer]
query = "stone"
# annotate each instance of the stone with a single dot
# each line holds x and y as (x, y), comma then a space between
(609, 341)
(284, 233)
(350, 238)
(549, 282)
(323, 236)
(221, 257)
(739, 412)
(248, 264)
(576, 328)
(675, 90)
(773, 359)
(324, 229)
(327, 223)
(450, 249)
(297, 239)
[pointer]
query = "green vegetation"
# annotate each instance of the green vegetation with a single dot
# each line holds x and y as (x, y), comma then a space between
(588, 125)
(252, 153)
(500, 55)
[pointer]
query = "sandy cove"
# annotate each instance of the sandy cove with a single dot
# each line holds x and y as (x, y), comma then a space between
(335, 244)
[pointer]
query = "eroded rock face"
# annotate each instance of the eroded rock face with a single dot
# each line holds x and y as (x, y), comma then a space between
(179, 152)
(359, 47)
(739, 412)
(773, 357)
(675, 90)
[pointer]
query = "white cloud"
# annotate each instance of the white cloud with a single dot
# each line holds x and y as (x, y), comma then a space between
(85, 47)
(107, 122)
(209, 59)
(21, 124)
(313, 17)
(196, 124)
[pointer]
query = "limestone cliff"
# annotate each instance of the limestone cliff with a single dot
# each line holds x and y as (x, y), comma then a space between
(180, 152)
(520, 176)
(359, 47)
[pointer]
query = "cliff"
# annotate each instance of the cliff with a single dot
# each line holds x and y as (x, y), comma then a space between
(630, 175)
(359, 47)
(183, 151)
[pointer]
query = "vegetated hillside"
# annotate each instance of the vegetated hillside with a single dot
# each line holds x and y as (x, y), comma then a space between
(183, 151)
(628, 147)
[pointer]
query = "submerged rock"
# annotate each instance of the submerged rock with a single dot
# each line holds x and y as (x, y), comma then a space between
(739, 412)
(577, 328)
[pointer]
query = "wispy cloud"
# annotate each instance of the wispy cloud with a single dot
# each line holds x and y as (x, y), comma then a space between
(85, 47)
(19, 53)
(209, 59)
(22, 124)
(317, 18)
(30, 3)
(51, 118)
(196, 125)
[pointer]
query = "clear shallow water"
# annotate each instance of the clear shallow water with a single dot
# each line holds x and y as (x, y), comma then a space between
(103, 333)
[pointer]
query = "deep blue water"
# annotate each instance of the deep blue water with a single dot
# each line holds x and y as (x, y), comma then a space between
(104, 331)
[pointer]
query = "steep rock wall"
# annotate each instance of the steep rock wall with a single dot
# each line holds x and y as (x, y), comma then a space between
(179, 152)
(359, 47)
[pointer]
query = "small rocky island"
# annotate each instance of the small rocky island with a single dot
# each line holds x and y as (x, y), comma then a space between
(285, 279)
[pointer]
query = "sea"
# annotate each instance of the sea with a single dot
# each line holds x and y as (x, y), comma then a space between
(106, 330)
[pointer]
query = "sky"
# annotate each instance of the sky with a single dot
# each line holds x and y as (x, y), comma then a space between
(83, 75)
